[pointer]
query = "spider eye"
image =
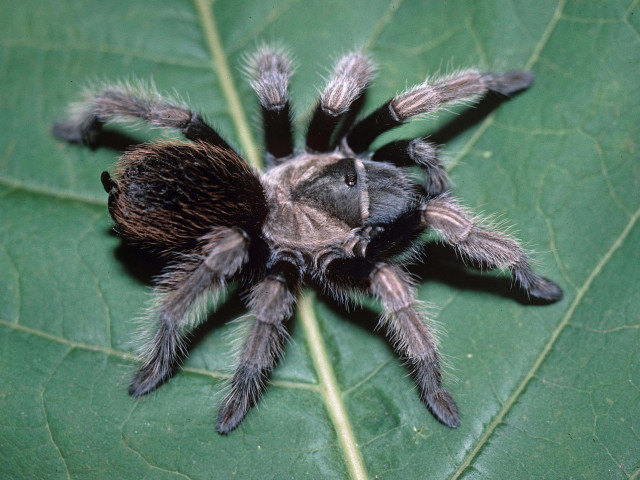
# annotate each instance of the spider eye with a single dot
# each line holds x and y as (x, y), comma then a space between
(350, 179)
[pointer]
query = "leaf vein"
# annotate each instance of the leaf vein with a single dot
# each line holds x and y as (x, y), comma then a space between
(368, 377)
(142, 457)
(46, 412)
(105, 49)
(268, 20)
(14, 267)
(15, 185)
(131, 357)
(479, 48)
(629, 11)
(96, 282)
(532, 60)
(605, 173)
(554, 248)
(547, 348)
(70, 343)
(557, 15)
(387, 16)
(610, 455)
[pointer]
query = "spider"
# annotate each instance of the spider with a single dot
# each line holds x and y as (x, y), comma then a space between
(330, 213)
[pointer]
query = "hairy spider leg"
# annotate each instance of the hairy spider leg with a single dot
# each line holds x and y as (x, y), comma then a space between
(125, 103)
(406, 153)
(408, 331)
(391, 285)
(269, 70)
(179, 290)
(427, 97)
(271, 302)
(485, 246)
(351, 76)
(406, 327)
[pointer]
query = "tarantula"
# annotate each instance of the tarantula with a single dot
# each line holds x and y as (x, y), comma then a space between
(330, 213)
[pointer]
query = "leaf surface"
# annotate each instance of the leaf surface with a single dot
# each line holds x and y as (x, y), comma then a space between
(544, 391)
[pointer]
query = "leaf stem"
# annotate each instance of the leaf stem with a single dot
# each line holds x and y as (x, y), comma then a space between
(329, 389)
(220, 65)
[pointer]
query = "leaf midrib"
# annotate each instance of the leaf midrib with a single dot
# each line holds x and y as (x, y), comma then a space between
(328, 387)
(221, 67)
(330, 390)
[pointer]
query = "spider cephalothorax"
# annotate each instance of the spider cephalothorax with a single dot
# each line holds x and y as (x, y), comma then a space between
(330, 213)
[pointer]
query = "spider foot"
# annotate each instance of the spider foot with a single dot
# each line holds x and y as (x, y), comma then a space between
(148, 379)
(436, 182)
(537, 288)
(232, 412)
(426, 373)
(442, 406)
(82, 133)
(246, 388)
(543, 289)
(509, 83)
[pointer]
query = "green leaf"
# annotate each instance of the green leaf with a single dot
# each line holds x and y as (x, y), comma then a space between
(544, 391)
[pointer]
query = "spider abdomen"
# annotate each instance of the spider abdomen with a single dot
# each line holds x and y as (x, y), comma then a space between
(172, 194)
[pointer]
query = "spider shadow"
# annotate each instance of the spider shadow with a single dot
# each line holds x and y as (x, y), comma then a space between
(469, 117)
(144, 265)
(140, 263)
(358, 314)
(113, 140)
(441, 265)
